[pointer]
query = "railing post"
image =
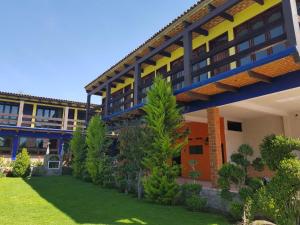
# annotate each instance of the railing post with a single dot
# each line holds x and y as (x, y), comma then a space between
(87, 111)
(107, 99)
(291, 23)
(66, 117)
(20, 114)
(137, 77)
(188, 49)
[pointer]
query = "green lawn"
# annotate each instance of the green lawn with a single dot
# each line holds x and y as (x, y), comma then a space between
(65, 200)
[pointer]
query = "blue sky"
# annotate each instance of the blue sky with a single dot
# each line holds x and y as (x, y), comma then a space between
(53, 48)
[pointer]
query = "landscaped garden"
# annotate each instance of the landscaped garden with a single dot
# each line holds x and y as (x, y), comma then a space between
(65, 200)
(139, 184)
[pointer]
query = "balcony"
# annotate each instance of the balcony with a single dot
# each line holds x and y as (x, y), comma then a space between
(8, 119)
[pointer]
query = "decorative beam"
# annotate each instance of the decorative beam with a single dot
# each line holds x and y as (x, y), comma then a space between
(260, 77)
(128, 75)
(126, 65)
(224, 14)
(226, 87)
(261, 2)
(201, 31)
(178, 42)
(150, 62)
(162, 53)
(198, 96)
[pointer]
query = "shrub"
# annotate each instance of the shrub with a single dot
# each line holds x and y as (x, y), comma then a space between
(236, 210)
(230, 173)
(276, 148)
(258, 164)
(255, 183)
(97, 146)
(280, 199)
(160, 186)
(195, 203)
(245, 193)
(21, 166)
(79, 151)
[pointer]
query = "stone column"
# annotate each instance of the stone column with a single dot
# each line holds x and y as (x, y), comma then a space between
(215, 149)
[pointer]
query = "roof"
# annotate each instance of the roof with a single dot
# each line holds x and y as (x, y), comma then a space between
(39, 99)
(194, 13)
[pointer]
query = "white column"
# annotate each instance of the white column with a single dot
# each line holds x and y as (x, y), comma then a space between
(20, 115)
(65, 120)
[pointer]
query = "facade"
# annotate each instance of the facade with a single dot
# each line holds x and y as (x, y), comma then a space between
(35, 122)
(234, 67)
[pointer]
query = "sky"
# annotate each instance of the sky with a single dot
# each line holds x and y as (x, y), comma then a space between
(53, 48)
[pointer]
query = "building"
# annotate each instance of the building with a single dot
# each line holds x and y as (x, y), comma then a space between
(234, 66)
(35, 122)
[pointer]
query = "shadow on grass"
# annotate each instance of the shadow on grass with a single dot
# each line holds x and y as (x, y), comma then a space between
(86, 203)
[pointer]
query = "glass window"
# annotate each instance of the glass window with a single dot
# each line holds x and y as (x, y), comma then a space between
(259, 39)
(243, 46)
(5, 145)
(196, 149)
(277, 31)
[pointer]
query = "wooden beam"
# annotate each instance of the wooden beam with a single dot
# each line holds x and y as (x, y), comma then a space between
(224, 14)
(198, 96)
(150, 62)
(226, 87)
(128, 75)
(162, 53)
(186, 24)
(179, 42)
(261, 2)
(126, 65)
(201, 31)
(113, 85)
(260, 77)
(117, 72)
(138, 58)
(119, 80)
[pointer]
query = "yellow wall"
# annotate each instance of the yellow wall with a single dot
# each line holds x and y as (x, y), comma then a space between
(216, 31)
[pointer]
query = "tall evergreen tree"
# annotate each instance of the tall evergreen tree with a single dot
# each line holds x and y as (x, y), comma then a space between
(164, 119)
(97, 148)
(79, 151)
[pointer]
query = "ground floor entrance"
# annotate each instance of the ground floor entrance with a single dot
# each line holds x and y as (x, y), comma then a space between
(216, 133)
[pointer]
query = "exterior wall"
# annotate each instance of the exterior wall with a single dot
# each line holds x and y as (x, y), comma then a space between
(256, 129)
(233, 139)
(292, 124)
(199, 136)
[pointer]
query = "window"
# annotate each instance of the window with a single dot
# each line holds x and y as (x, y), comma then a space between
(146, 83)
(38, 146)
(271, 25)
(177, 74)
(44, 115)
(220, 56)
(197, 53)
(9, 113)
(195, 149)
(234, 126)
(5, 145)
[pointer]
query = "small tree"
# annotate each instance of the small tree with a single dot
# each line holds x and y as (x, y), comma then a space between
(133, 140)
(194, 174)
(97, 147)
(79, 151)
(21, 167)
(163, 119)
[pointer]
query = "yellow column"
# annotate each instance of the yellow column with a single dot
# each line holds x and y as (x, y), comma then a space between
(75, 118)
(232, 49)
(33, 115)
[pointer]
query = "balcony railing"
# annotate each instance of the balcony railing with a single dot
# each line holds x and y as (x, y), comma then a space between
(40, 122)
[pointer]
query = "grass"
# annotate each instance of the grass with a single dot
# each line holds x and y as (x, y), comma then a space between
(65, 200)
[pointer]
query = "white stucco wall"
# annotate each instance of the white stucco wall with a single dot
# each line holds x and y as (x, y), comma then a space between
(256, 129)
(292, 125)
(233, 138)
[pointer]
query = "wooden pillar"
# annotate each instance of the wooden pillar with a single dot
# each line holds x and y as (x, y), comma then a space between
(66, 118)
(87, 111)
(107, 99)
(137, 77)
(188, 49)
(33, 115)
(75, 119)
(215, 147)
(20, 114)
(291, 23)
